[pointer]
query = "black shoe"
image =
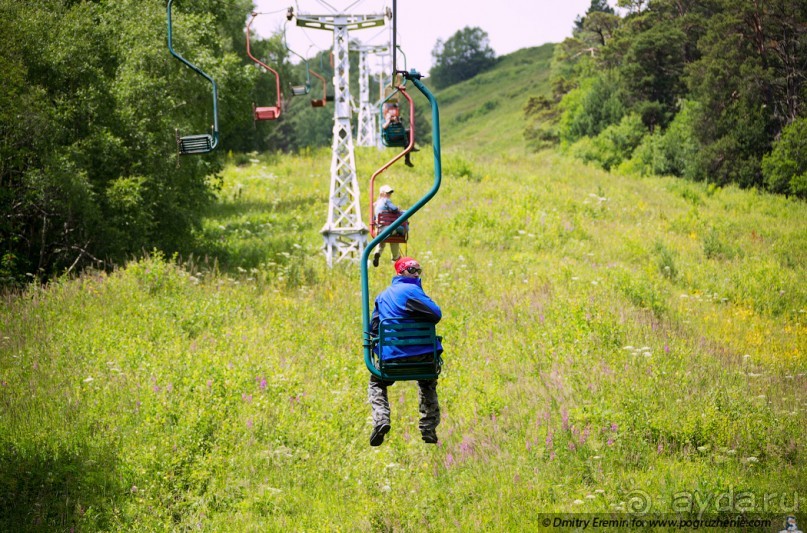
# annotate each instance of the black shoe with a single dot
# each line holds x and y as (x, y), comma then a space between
(408, 163)
(429, 436)
(414, 149)
(376, 257)
(377, 436)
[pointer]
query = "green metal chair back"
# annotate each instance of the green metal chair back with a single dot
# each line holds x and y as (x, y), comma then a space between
(394, 135)
(407, 334)
(204, 142)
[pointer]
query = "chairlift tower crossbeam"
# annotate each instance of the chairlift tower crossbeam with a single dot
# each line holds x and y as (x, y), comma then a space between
(368, 114)
(344, 232)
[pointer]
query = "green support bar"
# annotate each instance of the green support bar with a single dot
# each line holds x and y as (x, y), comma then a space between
(414, 76)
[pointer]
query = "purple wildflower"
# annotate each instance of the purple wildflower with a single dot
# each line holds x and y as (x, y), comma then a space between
(584, 435)
(449, 460)
(565, 418)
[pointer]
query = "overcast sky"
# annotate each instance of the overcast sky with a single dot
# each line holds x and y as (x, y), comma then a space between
(510, 24)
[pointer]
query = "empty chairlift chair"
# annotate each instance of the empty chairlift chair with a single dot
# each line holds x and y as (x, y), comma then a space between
(265, 112)
(204, 142)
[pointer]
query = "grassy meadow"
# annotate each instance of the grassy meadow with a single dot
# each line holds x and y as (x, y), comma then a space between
(613, 345)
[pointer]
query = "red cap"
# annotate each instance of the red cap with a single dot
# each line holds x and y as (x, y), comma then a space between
(405, 262)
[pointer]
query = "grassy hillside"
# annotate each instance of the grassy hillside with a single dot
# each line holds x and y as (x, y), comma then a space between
(485, 114)
(612, 346)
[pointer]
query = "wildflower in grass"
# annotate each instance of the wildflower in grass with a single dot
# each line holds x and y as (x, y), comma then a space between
(565, 418)
(249, 423)
(584, 435)
(572, 447)
(610, 441)
(246, 397)
(614, 426)
(209, 383)
(449, 460)
(551, 456)
(466, 447)
(659, 448)
(578, 502)
(156, 388)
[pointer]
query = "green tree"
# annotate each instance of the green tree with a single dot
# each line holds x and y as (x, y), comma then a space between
(785, 168)
(464, 55)
(91, 98)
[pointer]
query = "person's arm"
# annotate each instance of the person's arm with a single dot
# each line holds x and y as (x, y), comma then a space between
(374, 321)
(422, 308)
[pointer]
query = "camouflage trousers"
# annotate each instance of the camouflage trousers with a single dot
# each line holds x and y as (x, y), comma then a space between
(394, 248)
(427, 396)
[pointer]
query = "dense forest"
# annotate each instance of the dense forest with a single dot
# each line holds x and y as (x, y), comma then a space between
(710, 90)
(89, 173)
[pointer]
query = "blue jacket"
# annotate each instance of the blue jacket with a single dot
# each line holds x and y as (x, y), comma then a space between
(404, 299)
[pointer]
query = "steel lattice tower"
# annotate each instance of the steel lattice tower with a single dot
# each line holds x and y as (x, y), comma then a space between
(344, 232)
(368, 112)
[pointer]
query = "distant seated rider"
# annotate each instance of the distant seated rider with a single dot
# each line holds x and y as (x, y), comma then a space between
(392, 115)
(387, 212)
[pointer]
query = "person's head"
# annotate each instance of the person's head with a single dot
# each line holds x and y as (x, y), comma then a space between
(408, 267)
(386, 191)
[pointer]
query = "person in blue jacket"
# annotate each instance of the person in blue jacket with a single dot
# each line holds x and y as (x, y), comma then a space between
(405, 299)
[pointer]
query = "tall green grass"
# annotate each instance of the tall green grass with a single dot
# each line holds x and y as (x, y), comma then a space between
(605, 338)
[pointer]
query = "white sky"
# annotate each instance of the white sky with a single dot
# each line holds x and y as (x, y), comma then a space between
(510, 24)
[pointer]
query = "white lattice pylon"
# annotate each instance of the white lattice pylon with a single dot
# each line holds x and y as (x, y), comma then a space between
(368, 111)
(344, 232)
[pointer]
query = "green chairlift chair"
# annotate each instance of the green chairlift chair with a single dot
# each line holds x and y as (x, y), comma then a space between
(204, 142)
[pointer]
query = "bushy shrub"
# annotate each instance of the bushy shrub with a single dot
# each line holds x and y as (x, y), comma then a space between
(615, 144)
(589, 109)
(785, 168)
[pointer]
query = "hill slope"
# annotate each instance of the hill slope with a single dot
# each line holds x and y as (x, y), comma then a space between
(610, 343)
(485, 114)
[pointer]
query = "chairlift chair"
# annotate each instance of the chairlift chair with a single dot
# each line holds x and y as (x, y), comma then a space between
(397, 332)
(384, 219)
(265, 112)
(305, 88)
(204, 142)
(320, 102)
